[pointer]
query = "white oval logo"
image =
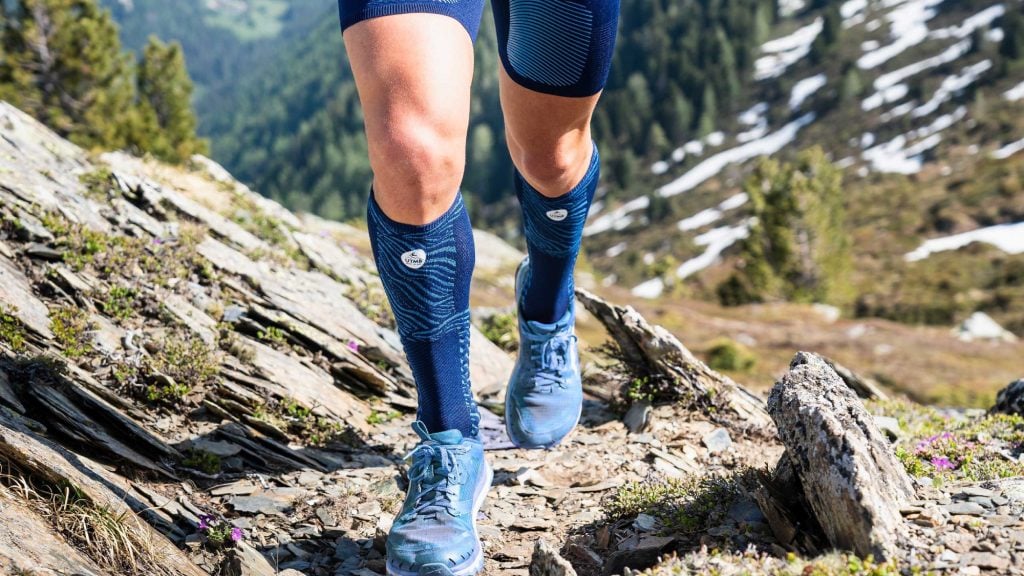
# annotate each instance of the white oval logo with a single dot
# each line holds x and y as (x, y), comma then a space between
(414, 259)
(558, 215)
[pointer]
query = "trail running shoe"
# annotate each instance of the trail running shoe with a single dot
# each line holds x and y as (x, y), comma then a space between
(545, 394)
(435, 532)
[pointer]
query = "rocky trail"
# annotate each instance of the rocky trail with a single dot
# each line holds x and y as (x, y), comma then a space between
(195, 381)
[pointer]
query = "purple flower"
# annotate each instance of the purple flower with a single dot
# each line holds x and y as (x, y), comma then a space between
(206, 521)
(237, 534)
(942, 463)
(353, 345)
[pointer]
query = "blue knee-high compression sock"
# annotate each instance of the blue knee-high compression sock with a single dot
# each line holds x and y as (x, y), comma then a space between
(426, 271)
(554, 228)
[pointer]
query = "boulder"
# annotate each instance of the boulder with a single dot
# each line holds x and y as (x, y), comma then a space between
(981, 326)
(546, 561)
(1010, 400)
(850, 478)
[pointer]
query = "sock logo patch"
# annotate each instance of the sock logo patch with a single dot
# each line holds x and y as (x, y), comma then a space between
(558, 215)
(414, 259)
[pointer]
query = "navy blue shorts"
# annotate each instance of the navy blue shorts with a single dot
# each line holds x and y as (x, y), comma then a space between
(561, 47)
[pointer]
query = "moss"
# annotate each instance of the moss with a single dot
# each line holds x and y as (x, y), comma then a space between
(502, 329)
(291, 415)
(182, 364)
(273, 335)
(203, 461)
(687, 505)
(12, 332)
(727, 354)
(119, 302)
(70, 327)
(378, 417)
(99, 183)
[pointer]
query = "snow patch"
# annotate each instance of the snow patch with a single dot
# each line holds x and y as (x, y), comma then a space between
(948, 55)
(716, 241)
(907, 27)
(1008, 150)
(711, 215)
(952, 85)
(713, 165)
(886, 96)
(782, 53)
(616, 250)
(617, 219)
(650, 289)
(659, 167)
(1015, 93)
(1007, 237)
(980, 20)
(804, 89)
(715, 139)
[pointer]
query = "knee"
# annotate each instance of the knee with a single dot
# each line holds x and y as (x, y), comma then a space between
(418, 163)
(552, 169)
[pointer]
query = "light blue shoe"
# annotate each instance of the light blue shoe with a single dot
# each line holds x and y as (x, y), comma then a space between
(545, 394)
(435, 533)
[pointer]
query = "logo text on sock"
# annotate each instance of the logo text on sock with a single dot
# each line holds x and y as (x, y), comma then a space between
(414, 259)
(558, 215)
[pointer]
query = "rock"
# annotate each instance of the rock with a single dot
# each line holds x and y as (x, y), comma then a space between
(645, 522)
(97, 486)
(547, 562)
(985, 560)
(643, 554)
(981, 326)
(244, 560)
(965, 508)
(260, 504)
(28, 546)
(889, 425)
(717, 440)
(18, 300)
(1010, 400)
(657, 351)
(849, 476)
(638, 417)
(866, 388)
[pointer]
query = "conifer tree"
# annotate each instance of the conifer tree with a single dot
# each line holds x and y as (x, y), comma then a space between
(63, 64)
(798, 249)
(167, 125)
(1012, 45)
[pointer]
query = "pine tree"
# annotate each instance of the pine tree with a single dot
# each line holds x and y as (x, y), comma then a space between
(798, 249)
(852, 84)
(167, 124)
(63, 64)
(1012, 46)
(708, 111)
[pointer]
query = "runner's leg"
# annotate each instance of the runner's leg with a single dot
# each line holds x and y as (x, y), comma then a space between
(413, 72)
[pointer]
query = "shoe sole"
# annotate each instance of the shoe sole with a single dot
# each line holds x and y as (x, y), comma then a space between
(548, 446)
(474, 564)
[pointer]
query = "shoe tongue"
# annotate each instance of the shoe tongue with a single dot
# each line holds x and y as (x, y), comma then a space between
(448, 437)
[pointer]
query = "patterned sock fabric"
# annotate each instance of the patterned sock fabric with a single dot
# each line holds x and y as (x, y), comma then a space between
(554, 228)
(426, 272)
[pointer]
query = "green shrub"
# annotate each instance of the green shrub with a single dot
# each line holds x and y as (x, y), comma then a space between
(727, 354)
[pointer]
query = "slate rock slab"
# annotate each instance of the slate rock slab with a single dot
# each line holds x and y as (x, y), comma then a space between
(850, 477)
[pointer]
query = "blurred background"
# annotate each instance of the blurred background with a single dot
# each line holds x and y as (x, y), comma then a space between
(886, 230)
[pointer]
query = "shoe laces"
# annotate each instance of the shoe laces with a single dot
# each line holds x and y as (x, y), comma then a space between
(552, 361)
(436, 473)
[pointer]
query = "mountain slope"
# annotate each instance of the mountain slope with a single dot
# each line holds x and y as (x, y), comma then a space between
(917, 101)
